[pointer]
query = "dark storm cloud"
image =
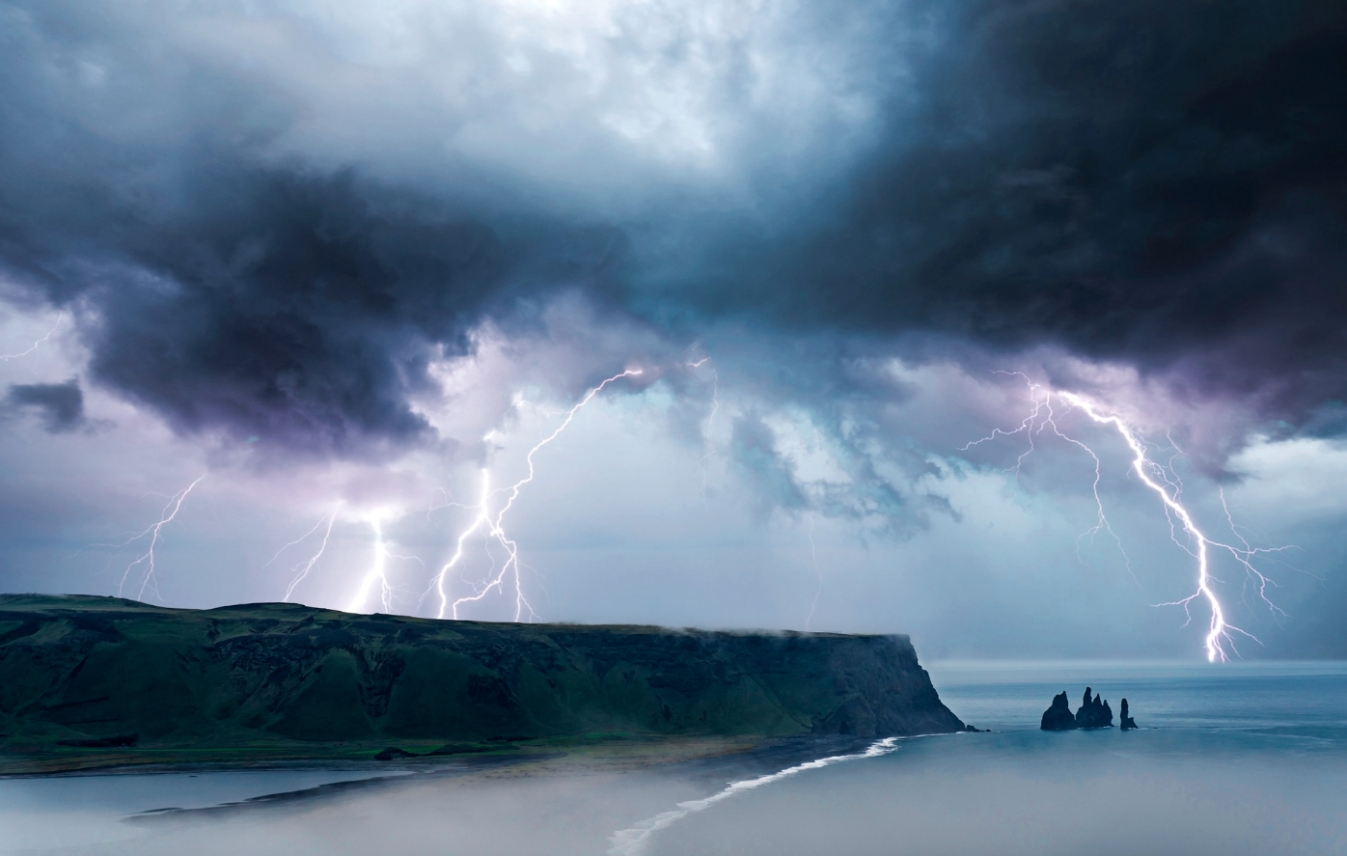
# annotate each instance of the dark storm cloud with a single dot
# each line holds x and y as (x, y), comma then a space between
(264, 300)
(276, 303)
(1158, 183)
(1162, 184)
(61, 405)
(235, 293)
(829, 399)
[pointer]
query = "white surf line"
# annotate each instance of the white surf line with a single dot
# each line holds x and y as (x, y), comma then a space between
(634, 841)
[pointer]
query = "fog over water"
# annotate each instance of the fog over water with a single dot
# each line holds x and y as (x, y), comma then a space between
(1250, 759)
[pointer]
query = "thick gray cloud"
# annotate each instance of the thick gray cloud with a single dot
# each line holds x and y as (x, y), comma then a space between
(61, 405)
(264, 299)
(273, 302)
(1159, 185)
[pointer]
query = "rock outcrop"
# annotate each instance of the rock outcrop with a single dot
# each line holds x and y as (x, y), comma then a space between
(1059, 717)
(1094, 712)
(1125, 722)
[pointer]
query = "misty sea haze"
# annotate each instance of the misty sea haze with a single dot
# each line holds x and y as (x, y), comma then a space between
(1243, 758)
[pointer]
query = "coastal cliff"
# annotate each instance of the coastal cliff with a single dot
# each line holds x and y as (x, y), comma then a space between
(83, 674)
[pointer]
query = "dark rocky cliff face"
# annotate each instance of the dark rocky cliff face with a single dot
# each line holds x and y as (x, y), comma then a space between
(93, 669)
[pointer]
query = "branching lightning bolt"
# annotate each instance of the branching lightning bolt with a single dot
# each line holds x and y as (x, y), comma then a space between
(479, 520)
(146, 559)
(378, 573)
(7, 357)
(301, 570)
(1249, 551)
(1035, 423)
(1165, 484)
(494, 528)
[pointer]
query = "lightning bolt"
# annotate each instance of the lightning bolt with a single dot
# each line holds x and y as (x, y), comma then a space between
(1035, 423)
(480, 519)
(7, 357)
(146, 559)
(1262, 581)
(378, 573)
(1161, 480)
(493, 525)
(301, 570)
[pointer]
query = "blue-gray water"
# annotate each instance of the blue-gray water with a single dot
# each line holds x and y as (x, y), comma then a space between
(1231, 760)
(1236, 759)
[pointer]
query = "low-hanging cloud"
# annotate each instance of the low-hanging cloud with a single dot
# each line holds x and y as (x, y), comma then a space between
(60, 405)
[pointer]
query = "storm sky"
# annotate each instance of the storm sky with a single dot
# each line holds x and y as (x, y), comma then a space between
(339, 264)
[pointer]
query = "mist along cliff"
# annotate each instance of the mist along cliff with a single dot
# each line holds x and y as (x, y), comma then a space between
(88, 673)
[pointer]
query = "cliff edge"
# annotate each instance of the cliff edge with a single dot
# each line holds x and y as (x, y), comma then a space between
(90, 673)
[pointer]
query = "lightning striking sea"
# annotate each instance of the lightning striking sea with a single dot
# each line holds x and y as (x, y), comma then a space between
(1231, 759)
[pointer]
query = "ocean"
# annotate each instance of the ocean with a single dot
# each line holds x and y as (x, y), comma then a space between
(1233, 759)
(1240, 758)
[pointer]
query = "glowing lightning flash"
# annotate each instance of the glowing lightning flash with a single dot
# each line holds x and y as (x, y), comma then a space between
(301, 570)
(147, 558)
(478, 521)
(495, 530)
(1164, 484)
(1148, 471)
(376, 573)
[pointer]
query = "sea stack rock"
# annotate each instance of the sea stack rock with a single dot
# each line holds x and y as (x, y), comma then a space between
(1094, 712)
(1058, 717)
(1125, 722)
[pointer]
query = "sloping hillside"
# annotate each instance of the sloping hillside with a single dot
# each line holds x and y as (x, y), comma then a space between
(88, 673)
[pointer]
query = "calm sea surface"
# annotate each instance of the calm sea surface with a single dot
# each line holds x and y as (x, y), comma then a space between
(1230, 760)
(1234, 759)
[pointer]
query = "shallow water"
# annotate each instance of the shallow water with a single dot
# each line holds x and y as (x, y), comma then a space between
(1238, 759)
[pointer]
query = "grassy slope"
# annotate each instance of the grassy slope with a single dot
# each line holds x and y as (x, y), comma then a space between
(280, 680)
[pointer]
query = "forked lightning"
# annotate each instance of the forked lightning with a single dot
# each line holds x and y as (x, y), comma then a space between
(1165, 484)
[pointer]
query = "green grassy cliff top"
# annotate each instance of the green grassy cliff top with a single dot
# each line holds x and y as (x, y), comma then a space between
(79, 673)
